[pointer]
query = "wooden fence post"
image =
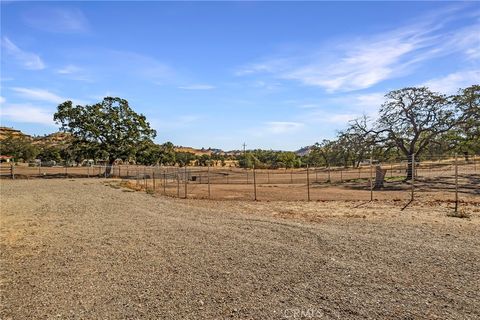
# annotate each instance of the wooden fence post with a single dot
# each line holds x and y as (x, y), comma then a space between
(12, 171)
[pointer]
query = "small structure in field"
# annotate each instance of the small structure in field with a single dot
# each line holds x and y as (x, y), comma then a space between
(7, 159)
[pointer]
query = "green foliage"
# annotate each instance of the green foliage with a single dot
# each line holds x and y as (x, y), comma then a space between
(20, 148)
(184, 158)
(110, 126)
(50, 153)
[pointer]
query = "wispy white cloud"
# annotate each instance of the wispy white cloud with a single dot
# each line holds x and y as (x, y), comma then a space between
(139, 65)
(279, 127)
(197, 87)
(38, 95)
(450, 83)
(329, 117)
(179, 122)
(361, 63)
(69, 69)
(28, 60)
(27, 113)
(58, 20)
(74, 72)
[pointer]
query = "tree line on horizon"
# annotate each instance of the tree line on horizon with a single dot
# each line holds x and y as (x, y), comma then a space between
(411, 121)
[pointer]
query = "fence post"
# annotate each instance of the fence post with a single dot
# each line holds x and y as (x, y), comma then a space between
(391, 170)
(456, 183)
(12, 171)
(308, 183)
(413, 177)
(474, 164)
(208, 179)
(185, 181)
(88, 171)
(66, 173)
(291, 176)
(371, 178)
(329, 178)
(178, 182)
(153, 181)
(40, 167)
(341, 175)
(254, 184)
(268, 176)
(164, 183)
(316, 174)
(105, 173)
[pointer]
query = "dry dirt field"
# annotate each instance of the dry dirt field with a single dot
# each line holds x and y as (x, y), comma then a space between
(90, 249)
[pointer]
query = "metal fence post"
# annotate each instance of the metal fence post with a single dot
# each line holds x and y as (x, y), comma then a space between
(208, 179)
(164, 182)
(474, 164)
(254, 184)
(456, 183)
(371, 178)
(153, 181)
(12, 171)
(185, 181)
(178, 182)
(413, 177)
(308, 183)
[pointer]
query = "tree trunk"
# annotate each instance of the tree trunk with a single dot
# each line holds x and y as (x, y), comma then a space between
(109, 167)
(379, 177)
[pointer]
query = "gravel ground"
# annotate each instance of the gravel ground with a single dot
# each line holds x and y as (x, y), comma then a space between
(89, 249)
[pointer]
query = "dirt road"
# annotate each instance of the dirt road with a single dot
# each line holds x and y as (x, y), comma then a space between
(85, 249)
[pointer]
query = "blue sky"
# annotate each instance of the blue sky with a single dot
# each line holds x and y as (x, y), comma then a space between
(276, 75)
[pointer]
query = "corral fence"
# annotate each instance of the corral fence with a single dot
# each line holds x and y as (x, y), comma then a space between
(441, 179)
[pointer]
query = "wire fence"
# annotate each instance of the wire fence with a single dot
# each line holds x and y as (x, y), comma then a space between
(442, 179)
